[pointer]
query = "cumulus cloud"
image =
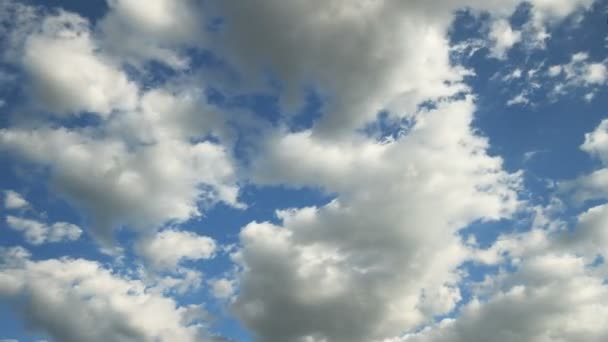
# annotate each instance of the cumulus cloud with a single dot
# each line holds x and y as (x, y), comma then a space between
(596, 142)
(359, 54)
(157, 31)
(168, 248)
(595, 184)
(379, 259)
(222, 288)
(550, 298)
(503, 38)
(68, 75)
(382, 258)
(96, 304)
(117, 184)
(557, 292)
(14, 200)
(149, 161)
(37, 232)
(579, 72)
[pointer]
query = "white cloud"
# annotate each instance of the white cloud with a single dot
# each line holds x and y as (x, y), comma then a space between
(519, 99)
(166, 249)
(558, 9)
(515, 74)
(579, 73)
(14, 256)
(595, 184)
(116, 183)
(148, 162)
(555, 294)
(596, 142)
(37, 232)
(180, 281)
(381, 258)
(14, 200)
(391, 55)
(297, 40)
(95, 303)
(222, 288)
(555, 70)
(156, 31)
(551, 298)
(68, 75)
(503, 38)
(552, 82)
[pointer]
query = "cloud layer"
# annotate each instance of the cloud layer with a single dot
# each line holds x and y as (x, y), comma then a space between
(142, 119)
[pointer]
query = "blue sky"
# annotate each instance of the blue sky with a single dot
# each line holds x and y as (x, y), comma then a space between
(306, 171)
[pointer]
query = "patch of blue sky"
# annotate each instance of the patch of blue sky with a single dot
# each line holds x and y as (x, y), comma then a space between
(90, 9)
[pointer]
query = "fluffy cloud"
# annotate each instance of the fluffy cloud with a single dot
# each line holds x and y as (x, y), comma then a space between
(167, 248)
(139, 186)
(579, 73)
(148, 162)
(95, 303)
(503, 38)
(362, 56)
(596, 142)
(298, 41)
(68, 75)
(222, 288)
(551, 298)
(38, 233)
(13, 200)
(382, 258)
(557, 292)
(595, 184)
(155, 31)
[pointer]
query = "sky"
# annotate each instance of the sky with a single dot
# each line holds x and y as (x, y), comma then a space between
(303, 171)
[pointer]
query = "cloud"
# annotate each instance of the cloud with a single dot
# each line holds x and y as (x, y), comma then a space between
(556, 293)
(580, 72)
(596, 142)
(67, 74)
(503, 38)
(166, 249)
(222, 288)
(14, 200)
(38, 233)
(551, 82)
(362, 56)
(297, 42)
(158, 31)
(595, 184)
(140, 186)
(382, 257)
(148, 161)
(96, 304)
(550, 298)
(519, 99)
